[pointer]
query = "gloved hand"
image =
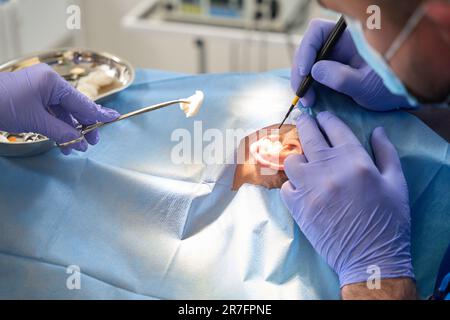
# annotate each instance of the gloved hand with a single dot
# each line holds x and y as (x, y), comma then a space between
(37, 99)
(355, 213)
(345, 72)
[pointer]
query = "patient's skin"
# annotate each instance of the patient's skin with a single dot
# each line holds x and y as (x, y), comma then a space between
(266, 169)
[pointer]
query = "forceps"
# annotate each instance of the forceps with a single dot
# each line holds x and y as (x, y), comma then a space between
(86, 129)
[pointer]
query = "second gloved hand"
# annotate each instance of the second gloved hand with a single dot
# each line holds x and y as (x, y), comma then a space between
(355, 213)
(345, 71)
(37, 99)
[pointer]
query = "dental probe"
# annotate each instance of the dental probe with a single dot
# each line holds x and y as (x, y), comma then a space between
(323, 54)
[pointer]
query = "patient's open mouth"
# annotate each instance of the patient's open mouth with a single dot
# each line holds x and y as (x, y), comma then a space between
(265, 152)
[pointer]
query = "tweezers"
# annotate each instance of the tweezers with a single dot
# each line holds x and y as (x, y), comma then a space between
(86, 129)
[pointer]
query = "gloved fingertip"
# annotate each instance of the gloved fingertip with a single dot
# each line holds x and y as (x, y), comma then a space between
(295, 79)
(309, 99)
(293, 167)
(108, 114)
(318, 72)
(93, 137)
(81, 146)
(303, 71)
(304, 103)
(66, 151)
(286, 189)
(380, 130)
(303, 118)
(62, 132)
(325, 116)
(379, 133)
(293, 160)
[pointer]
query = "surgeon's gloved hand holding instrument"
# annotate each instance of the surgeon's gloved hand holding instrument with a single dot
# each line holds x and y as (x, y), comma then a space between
(354, 212)
(346, 70)
(323, 54)
(37, 99)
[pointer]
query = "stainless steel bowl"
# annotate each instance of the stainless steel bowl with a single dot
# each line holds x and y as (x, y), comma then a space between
(72, 64)
(25, 149)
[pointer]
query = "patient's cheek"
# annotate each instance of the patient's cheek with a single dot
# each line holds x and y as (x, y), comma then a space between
(270, 152)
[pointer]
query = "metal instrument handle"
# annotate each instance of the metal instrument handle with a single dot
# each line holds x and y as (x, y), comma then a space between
(86, 129)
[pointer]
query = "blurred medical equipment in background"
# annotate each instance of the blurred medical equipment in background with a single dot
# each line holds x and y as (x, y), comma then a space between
(173, 35)
(223, 35)
(270, 15)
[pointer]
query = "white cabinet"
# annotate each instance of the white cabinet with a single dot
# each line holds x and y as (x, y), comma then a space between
(9, 38)
(33, 25)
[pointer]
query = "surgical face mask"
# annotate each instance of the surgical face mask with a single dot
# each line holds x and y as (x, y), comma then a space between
(380, 64)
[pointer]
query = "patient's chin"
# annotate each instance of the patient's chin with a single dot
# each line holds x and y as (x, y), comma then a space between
(258, 176)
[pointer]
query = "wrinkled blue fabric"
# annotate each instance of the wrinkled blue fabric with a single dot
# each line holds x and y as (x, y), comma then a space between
(141, 227)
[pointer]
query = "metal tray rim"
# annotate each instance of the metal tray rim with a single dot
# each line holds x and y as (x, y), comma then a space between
(80, 49)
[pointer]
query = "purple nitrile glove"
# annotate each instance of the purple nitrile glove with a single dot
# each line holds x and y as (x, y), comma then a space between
(37, 99)
(345, 71)
(355, 213)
